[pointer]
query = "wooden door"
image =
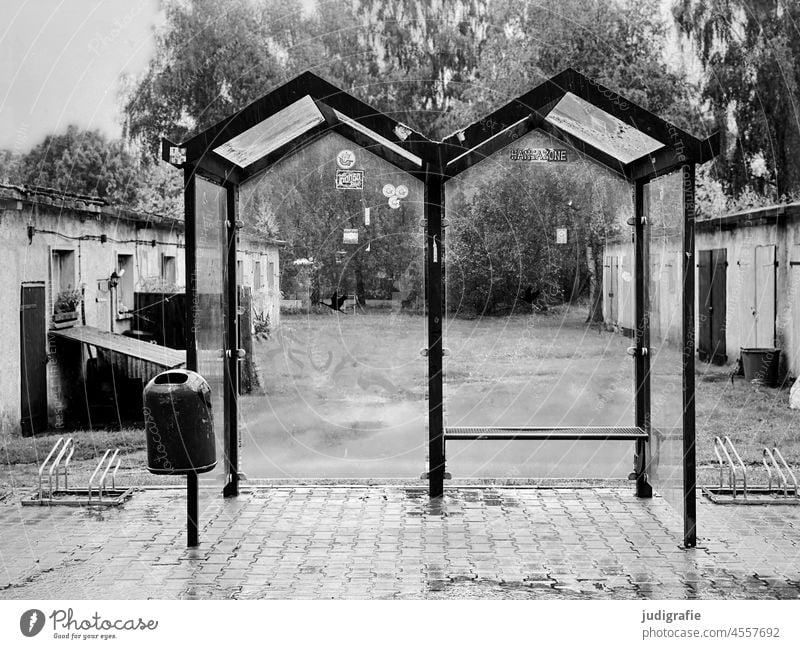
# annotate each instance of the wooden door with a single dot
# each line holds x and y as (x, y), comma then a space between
(654, 277)
(719, 306)
(705, 271)
(33, 359)
(765, 296)
(712, 305)
(613, 292)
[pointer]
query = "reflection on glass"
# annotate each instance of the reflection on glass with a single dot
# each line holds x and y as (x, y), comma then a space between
(524, 273)
(210, 216)
(664, 209)
(340, 385)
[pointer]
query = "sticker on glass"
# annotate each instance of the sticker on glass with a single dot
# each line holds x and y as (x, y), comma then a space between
(346, 158)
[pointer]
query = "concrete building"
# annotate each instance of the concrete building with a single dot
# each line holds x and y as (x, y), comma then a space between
(747, 285)
(71, 261)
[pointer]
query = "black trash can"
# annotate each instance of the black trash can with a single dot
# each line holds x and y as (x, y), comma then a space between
(761, 365)
(179, 424)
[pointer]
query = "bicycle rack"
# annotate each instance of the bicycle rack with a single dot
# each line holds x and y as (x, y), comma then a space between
(63, 448)
(56, 465)
(724, 444)
(781, 468)
(778, 491)
(101, 483)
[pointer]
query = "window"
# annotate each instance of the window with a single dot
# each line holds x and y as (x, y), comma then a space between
(125, 284)
(270, 276)
(168, 275)
(239, 272)
(63, 268)
(257, 276)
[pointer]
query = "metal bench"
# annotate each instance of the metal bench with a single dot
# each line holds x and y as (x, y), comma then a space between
(593, 433)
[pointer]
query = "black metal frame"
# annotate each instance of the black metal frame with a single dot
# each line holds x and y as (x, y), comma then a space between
(680, 151)
(202, 160)
(439, 162)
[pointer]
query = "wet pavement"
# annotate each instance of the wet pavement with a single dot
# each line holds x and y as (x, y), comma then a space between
(393, 542)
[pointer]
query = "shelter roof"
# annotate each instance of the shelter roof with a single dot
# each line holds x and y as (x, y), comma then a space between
(596, 121)
(570, 107)
(289, 117)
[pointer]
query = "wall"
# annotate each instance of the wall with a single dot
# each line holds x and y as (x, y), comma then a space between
(740, 235)
(79, 224)
(266, 299)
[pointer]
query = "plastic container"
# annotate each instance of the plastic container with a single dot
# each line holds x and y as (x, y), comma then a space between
(179, 424)
(761, 364)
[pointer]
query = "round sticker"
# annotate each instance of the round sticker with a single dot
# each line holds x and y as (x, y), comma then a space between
(388, 190)
(402, 191)
(346, 158)
(394, 202)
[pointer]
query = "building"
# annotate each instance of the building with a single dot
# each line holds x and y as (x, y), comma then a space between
(747, 285)
(73, 263)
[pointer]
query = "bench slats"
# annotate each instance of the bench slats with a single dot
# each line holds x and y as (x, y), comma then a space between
(595, 433)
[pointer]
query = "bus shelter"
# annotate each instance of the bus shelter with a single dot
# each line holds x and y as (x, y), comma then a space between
(566, 113)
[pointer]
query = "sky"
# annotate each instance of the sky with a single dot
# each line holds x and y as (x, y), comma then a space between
(61, 62)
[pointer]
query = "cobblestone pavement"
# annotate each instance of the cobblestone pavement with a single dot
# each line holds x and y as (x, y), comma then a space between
(393, 542)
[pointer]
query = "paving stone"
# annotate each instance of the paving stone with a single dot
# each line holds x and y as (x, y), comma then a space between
(385, 542)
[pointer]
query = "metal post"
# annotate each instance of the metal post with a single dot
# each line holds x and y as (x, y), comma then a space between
(689, 462)
(231, 311)
(192, 537)
(190, 263)
(434, 277)
(642, 319)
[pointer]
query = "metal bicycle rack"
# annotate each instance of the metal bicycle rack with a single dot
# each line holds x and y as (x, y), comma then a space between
(56, 465)
(777, 491)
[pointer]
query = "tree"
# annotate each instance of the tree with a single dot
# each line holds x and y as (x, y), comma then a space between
(434, 65)
(619, 44)
(211, 59)
(502, 246)
(87, 162)
(296, 199)
(406, 57)
(9, 166)
(750, 51)
(82, 162)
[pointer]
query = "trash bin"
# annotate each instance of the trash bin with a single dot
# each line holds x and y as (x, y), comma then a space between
(761, 364)
(179, 424)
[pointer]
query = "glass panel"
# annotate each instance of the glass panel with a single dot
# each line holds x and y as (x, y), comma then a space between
(339, 385)
(664, 209)
(603, 131)
(210, 215)
(526, 227)
(271, 134)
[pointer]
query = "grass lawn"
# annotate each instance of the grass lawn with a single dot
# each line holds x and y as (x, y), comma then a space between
(344, 396)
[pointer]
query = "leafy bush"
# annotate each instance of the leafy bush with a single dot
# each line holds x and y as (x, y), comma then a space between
(261, 328)
(68, 301)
